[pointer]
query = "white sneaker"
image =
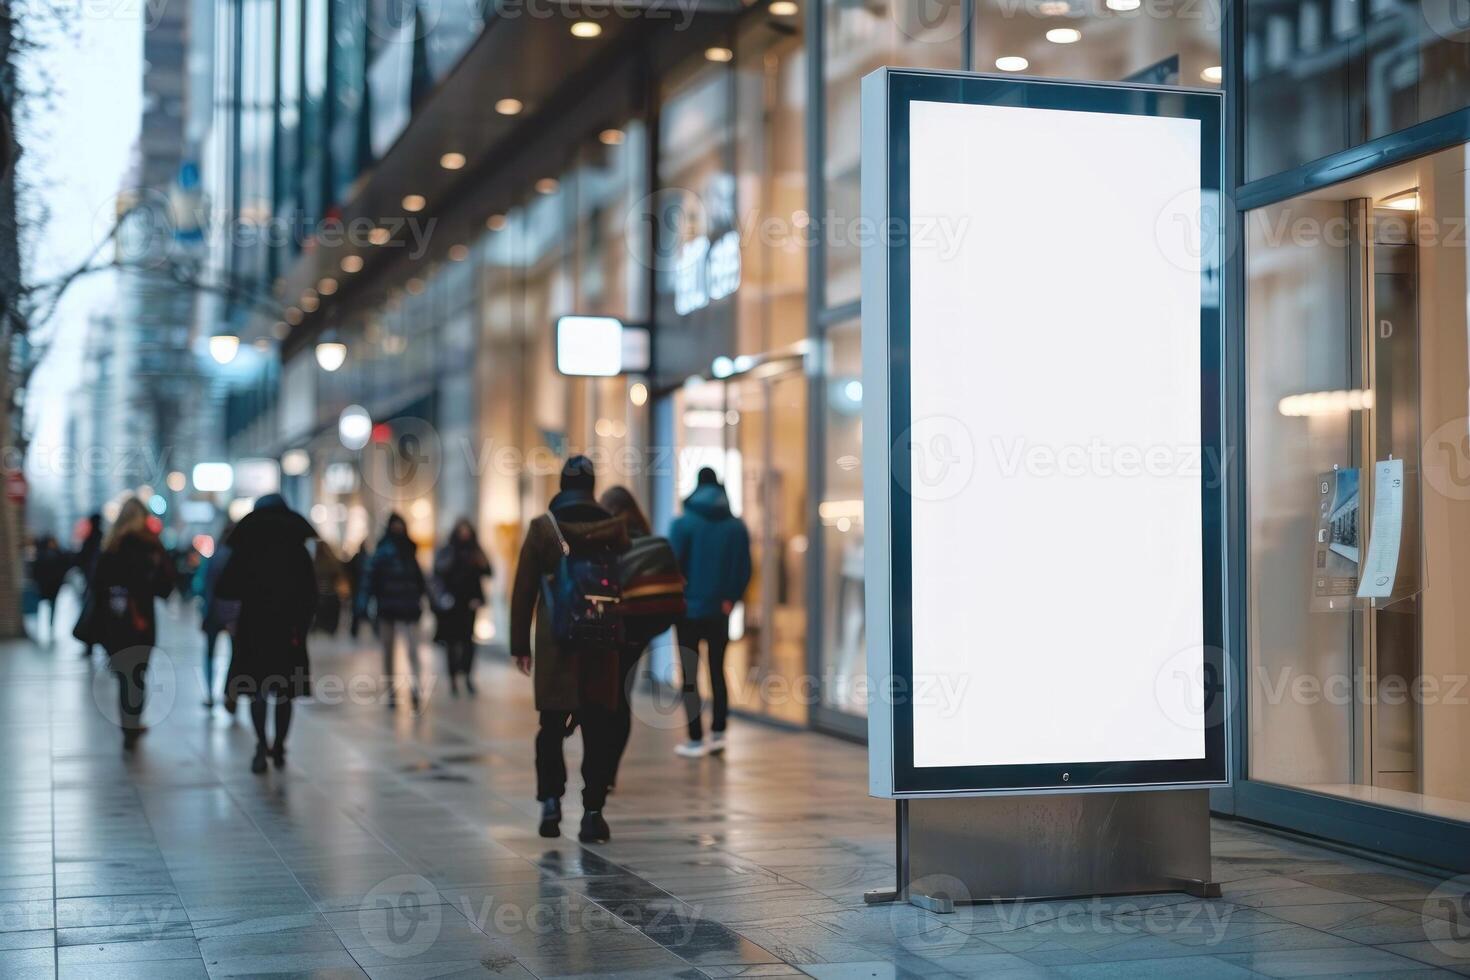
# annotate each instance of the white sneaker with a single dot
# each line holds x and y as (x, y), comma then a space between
(716, 743)
(691, 750)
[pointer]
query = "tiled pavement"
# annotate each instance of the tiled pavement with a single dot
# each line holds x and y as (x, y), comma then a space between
(400, 847)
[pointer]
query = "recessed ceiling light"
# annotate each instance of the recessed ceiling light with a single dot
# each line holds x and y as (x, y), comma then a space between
(458, 253)
(784, 8)
(509, 107)
(351, 263)
(495, 222)
(611, 137)
(414, 202)
(1012, 62)
(326, 286)
(379, 236)
(452, 161)
(292, 315)
(310, 301)
(719, 54)
(547, 185)
(1064, 35)
(586, 28)
(1122, 6)
(414, 285)
(1054, 8)
(1213, 74)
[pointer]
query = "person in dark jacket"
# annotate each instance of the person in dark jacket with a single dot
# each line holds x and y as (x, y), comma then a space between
(460, 569)
(87, 554)
(573, 687)
(48, 570)
(132, 570)
(713, 548)
(270, 574)
(216, 616)
(394, 583)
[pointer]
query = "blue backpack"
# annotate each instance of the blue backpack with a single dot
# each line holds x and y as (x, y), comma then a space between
(583, 595)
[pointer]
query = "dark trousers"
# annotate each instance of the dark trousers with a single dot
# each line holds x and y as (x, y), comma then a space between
(622, 722)
(211, 637)
(130, 667)
(714, 632)
(598, 754)
(460, 656)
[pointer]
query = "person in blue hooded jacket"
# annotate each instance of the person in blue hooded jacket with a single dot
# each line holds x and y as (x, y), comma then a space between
(713, 548)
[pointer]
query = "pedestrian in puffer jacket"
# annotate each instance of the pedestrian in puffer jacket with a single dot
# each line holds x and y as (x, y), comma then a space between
(394, 583)
(713, 548)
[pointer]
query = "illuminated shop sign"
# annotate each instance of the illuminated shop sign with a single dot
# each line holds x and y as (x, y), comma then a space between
(706, 271)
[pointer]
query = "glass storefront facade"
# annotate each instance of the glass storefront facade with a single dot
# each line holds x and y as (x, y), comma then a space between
(723, 212)
(1357, 367)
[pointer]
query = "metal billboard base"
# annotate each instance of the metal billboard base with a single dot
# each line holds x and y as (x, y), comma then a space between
(1003, 848)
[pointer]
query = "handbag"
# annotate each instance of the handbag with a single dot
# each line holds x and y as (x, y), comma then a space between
(89, 628)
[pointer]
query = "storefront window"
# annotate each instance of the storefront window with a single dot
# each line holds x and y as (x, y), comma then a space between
(611, 272)
(844, 636)
(1326, 75)
(751, 431)
(1359, 498)
(697, 250)
(860, 38)
(770, 168)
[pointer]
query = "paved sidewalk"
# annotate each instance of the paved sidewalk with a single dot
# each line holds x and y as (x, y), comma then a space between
(395, 846)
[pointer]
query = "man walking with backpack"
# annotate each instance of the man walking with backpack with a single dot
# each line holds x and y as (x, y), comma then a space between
(566, 584)
(713, 548)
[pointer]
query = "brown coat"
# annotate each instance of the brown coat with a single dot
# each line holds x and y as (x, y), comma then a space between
(563, 681)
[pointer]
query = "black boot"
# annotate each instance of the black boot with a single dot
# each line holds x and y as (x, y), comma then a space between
(594, 828)
(550, 818)
(257, 764)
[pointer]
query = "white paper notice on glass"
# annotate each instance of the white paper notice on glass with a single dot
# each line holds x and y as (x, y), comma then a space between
(1382, 566)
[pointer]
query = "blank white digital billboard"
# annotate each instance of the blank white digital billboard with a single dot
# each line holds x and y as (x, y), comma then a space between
(1057, 598)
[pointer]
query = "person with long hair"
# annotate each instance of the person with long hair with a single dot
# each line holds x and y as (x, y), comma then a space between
(460, 569)
(649, 562)
(271, 575)
(132, 571)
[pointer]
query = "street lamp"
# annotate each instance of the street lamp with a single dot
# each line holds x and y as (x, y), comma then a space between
(354, 427)
(331, 354)
(223, 347)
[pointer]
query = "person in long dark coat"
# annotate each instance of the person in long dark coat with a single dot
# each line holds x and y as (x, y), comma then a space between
(460, 569)
(132, 571)
(271, 573)
(87, 561)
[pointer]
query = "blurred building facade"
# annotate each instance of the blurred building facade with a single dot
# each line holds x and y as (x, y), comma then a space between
(150, 404)
(422, 188)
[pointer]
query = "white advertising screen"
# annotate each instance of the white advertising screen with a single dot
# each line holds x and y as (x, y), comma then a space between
(1057, 598)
